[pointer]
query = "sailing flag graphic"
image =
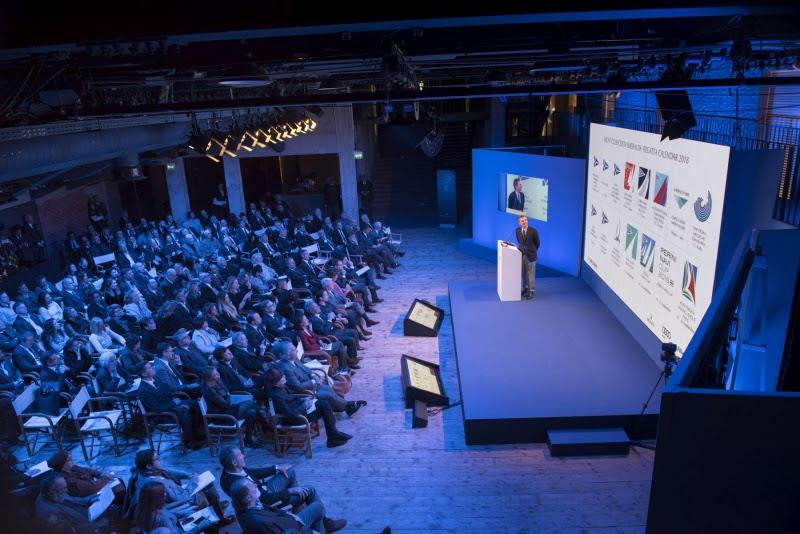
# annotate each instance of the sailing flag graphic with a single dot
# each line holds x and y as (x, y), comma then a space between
(644, 182)
(632, 241)
(681, 200)
(689, 282)
(648, 257)
(595, 161)
(616, 169)
(594, 211)
(702, 209)
(605, 219)
(617, 236)
(605, 165)
(629, 169)
(660, 191)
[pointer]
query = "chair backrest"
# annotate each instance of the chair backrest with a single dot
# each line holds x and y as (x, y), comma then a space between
(105, 258)
(25, 399)
(79, 402)
(141, 407)
(271, 407)
(300, 350)
(201, 402)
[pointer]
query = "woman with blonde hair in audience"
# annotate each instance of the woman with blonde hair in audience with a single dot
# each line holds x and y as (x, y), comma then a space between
(228, 313)
(103, 338)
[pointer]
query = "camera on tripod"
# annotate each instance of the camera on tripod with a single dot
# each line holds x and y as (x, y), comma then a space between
(669, 358)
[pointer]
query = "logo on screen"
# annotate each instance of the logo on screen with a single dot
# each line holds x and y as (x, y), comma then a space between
(616, 238)
(644, 182)
(632, 241)
(595, 161)
(616, 169)
(702, 209)
(681, 200)
(594, 211)
(689, 281)
(660, 194)
(647, 259)
(629, 168)
(605, 165)
(605, 219)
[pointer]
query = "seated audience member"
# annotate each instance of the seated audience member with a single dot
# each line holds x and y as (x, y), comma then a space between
(104, 339)
(300, 378)
(136, 306)
(204, 338)
(83, 483)
(54, 337)
(248, 359)
(119, 321)
(76, 356)
(255, 517)
(26, 323)
(49, 308)
(322, 324)
(211, 315)
(153, 517)
(52, 504)
(149, 468)
(292, 406)
(111, 377)
(26, 356)
(192, 360)
(54, 371)
(97, 306)
(235, 377)
(219, 401)
(276, 484)
(158, 398)
(75, 324)
(169, 372)
(133, 355)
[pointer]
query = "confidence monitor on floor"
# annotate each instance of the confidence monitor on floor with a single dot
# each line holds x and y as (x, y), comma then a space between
(423, 319)
(421, 381)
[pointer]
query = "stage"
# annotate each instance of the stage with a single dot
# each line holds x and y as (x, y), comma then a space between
(560, 361)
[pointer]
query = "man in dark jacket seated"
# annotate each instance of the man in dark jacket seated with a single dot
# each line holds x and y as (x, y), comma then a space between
(254, 517)
(235, 377)
(53, 508)
(292, 406)
(156, 398)
(192, 359)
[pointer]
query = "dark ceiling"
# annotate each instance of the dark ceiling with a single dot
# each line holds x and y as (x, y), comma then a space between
(140, 57)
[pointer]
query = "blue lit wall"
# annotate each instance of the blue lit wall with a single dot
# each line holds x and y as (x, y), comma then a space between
(562, 234)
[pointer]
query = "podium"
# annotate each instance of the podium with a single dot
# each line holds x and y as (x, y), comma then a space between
(509, 272)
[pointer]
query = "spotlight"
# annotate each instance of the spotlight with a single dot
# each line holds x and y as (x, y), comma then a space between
(262, 138)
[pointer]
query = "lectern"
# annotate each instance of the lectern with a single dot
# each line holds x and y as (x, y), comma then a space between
(509, 272)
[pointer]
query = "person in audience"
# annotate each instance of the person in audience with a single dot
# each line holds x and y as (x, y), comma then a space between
(235, 377)
(76, 355)
(52, 501)
(74, 324)
(219, 401)
(153, 516)
(158, 398)
(276, 484)
(300, 378)
(192, 360)
(26, 356)
(104, 339)
(97, 306)
(25, 322)
(293, 407)
(255, 517)
(247, 358)
(84, 483)
(169, 372)
(54, 337)
(136, 306)
(55, 372)
(49, 308)
(133, 355)
(111, 377)
(323, 326)
(204, 338)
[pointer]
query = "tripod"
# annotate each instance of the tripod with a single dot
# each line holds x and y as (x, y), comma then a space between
(665, 373)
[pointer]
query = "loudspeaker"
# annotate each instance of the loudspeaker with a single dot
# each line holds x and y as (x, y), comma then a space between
(420, 416)
(676, 110)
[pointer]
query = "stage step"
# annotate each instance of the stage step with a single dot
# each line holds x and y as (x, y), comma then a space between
(588, 441)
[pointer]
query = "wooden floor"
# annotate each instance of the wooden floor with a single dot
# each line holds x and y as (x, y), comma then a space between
(427, 480)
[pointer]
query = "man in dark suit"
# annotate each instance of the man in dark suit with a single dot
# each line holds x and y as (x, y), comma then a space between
(255, 332)
(275, 324)
(26, 355)
(157, 398)
(169, 375)
(255, 517)
(528, 239)
(192, 359)
(250, 361)
(71, 297)
(10, 377)
(516, 199)
(25, 322)
(323, 326)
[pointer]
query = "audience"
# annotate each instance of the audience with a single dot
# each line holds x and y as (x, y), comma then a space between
(211, 298)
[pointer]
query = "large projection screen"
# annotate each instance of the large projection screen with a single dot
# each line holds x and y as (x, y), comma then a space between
(653, 216)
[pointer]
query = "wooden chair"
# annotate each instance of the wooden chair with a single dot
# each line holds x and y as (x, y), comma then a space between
(319, 355)
(37, 423)
(287, 434)
(97, 422)
(165, 424)
(220, 426)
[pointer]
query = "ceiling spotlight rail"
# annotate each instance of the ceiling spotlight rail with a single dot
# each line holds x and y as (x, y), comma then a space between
(241, 133)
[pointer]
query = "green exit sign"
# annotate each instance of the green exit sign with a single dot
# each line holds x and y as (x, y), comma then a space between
(358, 154)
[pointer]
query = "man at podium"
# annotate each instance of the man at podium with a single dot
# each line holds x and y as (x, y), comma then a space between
(528, 239)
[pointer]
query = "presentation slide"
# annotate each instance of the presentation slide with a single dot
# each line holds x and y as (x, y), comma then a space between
(653, 216)
(524, 195)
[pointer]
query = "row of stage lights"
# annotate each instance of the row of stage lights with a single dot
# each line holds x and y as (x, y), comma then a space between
(216, 144)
